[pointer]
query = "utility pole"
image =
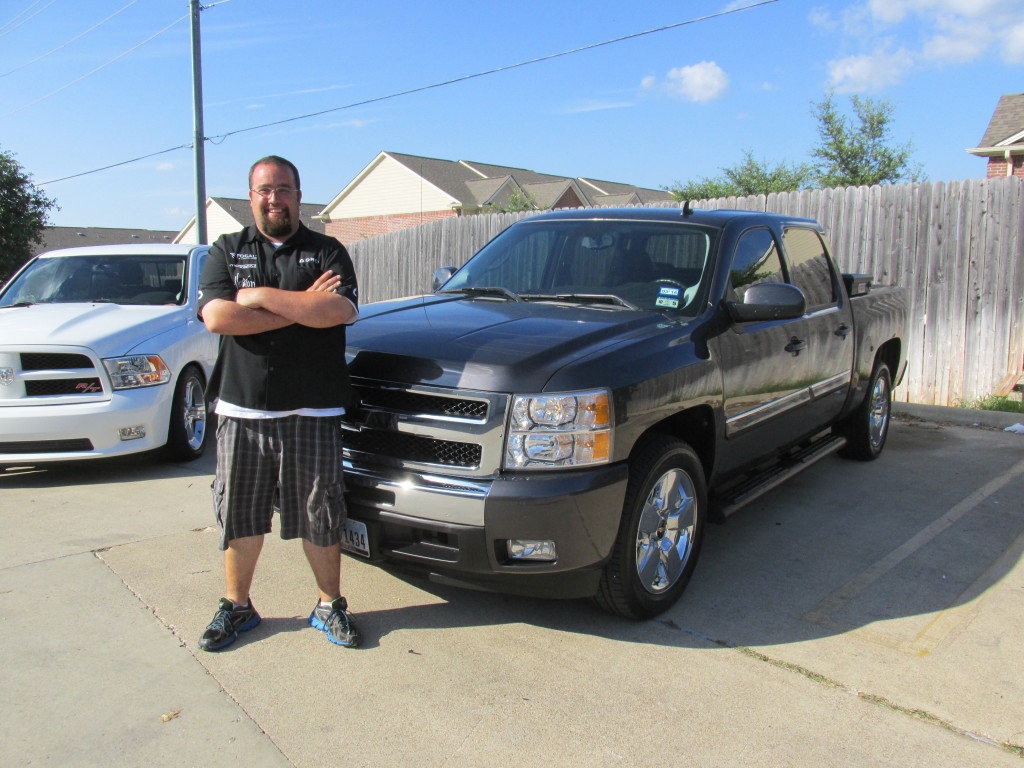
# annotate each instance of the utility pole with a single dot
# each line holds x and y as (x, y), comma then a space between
(199, 140)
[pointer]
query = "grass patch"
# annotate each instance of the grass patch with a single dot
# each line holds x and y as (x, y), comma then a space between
(998, 403)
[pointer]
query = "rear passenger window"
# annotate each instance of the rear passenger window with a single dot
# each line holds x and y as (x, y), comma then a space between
(756, 261)
(809, 266)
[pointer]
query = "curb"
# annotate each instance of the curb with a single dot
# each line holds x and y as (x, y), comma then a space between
(970, 417)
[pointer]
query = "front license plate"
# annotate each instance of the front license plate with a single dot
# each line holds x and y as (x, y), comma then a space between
(354, 538)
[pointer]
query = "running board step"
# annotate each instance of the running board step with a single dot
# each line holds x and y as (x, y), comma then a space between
(745, 492)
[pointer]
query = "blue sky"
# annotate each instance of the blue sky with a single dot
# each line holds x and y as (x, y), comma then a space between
(89, 84)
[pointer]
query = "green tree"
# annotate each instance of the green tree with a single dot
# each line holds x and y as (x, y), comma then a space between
(856, 151)
(749, 177)
(517, 200)
(23, 214)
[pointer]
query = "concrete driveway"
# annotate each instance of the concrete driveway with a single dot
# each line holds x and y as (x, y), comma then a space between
(861, 615)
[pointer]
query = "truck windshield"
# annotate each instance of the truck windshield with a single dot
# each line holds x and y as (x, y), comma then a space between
(613, 263)
(134, 279)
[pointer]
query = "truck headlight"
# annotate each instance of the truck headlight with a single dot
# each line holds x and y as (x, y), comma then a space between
(137, 371)
(566, 429)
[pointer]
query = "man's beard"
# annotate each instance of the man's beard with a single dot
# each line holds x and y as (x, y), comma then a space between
(279, 226)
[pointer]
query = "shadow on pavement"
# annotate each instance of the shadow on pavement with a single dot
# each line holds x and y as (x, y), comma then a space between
(930, 526)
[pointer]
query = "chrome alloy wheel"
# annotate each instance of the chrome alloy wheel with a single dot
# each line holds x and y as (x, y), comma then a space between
(665, 533)
(194, 412)
(878, 418)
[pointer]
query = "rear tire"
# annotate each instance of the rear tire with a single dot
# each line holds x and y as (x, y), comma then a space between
(660, 533)
(867, 428)
(187, 430)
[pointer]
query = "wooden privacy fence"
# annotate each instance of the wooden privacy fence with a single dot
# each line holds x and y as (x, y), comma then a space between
(956, 247)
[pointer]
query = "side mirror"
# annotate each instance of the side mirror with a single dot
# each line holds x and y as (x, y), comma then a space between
(768, 301)
(442, 275)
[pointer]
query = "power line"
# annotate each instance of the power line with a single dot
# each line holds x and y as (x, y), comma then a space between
(420, 89)
(69, 42)
(4, 29)
(115, 165)
(94, 71)
(505, 68)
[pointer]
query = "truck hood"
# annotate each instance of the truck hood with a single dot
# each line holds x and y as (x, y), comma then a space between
(484, 344)
(107, 329)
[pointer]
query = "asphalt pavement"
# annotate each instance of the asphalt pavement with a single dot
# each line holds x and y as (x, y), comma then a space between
(864, 614)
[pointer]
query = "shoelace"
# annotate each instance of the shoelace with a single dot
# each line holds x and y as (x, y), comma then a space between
(222, 622)
(338, 617)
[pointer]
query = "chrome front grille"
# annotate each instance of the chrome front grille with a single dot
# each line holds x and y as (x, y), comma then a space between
(424, 429)
(423, 450)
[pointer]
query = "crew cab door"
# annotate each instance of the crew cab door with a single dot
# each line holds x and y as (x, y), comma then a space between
(763, 375)
(826, 358)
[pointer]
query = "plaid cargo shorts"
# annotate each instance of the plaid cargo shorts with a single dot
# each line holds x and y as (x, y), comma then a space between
(298, 456)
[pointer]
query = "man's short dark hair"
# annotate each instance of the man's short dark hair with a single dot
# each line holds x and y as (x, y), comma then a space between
(280, 161)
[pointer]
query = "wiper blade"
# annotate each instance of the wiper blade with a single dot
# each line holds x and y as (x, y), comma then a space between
(582, 298)
(490, 290)
(18, 304)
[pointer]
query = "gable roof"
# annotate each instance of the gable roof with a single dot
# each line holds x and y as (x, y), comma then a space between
(1005, 130)
(474, 185)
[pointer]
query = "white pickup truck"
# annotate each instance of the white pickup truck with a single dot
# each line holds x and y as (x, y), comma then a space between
(102, 354)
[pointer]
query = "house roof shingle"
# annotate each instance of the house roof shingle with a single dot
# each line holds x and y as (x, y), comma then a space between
(75, 237)
(462, 179)
(1007, 121)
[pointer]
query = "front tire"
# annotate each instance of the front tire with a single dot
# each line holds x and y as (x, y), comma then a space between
(660, 533)
(186, 433)
(867, 428)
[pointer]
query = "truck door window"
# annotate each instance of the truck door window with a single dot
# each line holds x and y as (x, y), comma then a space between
(809, 266)
(756, 261)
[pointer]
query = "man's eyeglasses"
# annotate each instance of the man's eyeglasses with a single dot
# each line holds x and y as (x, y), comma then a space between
(280, 191)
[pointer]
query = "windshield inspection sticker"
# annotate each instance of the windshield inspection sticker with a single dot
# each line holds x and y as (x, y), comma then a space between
(668, 297)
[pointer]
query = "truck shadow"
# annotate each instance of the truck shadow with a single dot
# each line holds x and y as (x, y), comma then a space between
(880, 548)
(132, 468)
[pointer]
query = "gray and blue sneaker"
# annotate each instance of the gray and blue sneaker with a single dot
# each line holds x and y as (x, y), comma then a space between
(227, 622)
(337, 622)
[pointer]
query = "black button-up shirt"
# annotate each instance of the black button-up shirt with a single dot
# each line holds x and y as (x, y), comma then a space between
(291, 367)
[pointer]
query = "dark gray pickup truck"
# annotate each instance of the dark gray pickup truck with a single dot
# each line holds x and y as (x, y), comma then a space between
(566, 412)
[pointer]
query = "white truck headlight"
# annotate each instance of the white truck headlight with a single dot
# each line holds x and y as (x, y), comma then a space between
(567, 429)
(137, 371)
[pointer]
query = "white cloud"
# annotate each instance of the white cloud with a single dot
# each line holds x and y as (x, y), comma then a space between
(1013, 44)
(165, 166)
(959, 46)
(698, 82)
(176, 213)
(822, 19)
(869, 72)
(593, 105)
(931, 34)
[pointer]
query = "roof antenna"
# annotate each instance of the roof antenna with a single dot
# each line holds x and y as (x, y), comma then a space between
(687, 210)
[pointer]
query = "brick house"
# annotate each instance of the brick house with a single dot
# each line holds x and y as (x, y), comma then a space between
(230, 214)
(1003, 142)
(396, 191)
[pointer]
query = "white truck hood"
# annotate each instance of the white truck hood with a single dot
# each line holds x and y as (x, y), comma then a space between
(108, 329)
